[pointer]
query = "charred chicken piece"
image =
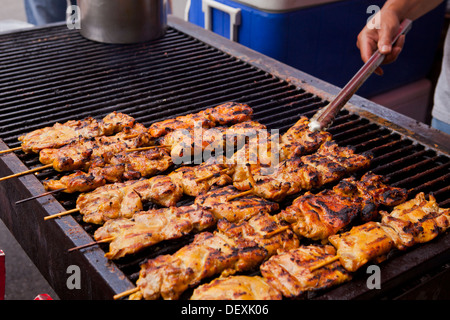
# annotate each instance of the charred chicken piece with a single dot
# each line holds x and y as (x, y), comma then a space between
(146, 163)
(121, 167)
(59, 134)
(147, 228)
(187, 122)
(224, 114)
(210, 254)
(239, 209)
(290, 272)
(370, 192)
(299, 140)
(229, 113)
(237, 288)
(265, 230)
(79, 154)
(123, 200)
(361, 244)
(318, 216)
(78, 181)
(416, 221)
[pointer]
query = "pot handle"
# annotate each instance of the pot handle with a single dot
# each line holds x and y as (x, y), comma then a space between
(235, 16)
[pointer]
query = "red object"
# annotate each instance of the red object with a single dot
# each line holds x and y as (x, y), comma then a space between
(43, 297)
(2, 275)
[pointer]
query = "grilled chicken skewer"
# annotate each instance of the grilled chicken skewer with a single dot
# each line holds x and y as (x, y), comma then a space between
(256, 153)
(329, 164)
(59, 134)
(415, 221)
(147, 228)
(318, 216)
(264, 153)
(79, 154)
(122, 200)
(126, 166)
(230, 249)
(164, 190)
(225, 114)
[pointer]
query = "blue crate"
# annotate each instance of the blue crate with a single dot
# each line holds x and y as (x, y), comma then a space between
(321, 40)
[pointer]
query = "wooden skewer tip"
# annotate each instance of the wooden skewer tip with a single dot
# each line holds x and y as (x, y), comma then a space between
(126, 293)
(27, 172)
(40, 195)
(65, 213)
(90, 244)
(10, 150)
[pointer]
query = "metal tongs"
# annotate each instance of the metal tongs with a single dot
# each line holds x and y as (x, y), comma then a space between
(325, 116)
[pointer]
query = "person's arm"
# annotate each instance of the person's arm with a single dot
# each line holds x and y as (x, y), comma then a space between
(390, 16)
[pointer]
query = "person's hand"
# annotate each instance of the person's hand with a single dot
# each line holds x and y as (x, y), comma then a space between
(369, 40)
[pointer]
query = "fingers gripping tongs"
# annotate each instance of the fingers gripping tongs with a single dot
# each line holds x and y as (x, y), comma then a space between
(325, 116)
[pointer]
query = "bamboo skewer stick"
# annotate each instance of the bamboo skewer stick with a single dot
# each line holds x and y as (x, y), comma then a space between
(48, 166)
(10, 150)
(324, 263)
(91, 244)
(62, 214)
(126, 293)
(40, 195)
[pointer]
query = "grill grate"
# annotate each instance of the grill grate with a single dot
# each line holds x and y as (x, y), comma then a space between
(58, 76)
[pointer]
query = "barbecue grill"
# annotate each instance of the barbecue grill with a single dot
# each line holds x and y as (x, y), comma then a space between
(53, 74)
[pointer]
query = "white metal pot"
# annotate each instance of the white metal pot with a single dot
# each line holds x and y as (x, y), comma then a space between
(122, 21)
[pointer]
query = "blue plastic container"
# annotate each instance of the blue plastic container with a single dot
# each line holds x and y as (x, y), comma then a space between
(321, 40)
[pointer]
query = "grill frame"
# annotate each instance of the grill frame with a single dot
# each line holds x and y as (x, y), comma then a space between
(101, 279)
